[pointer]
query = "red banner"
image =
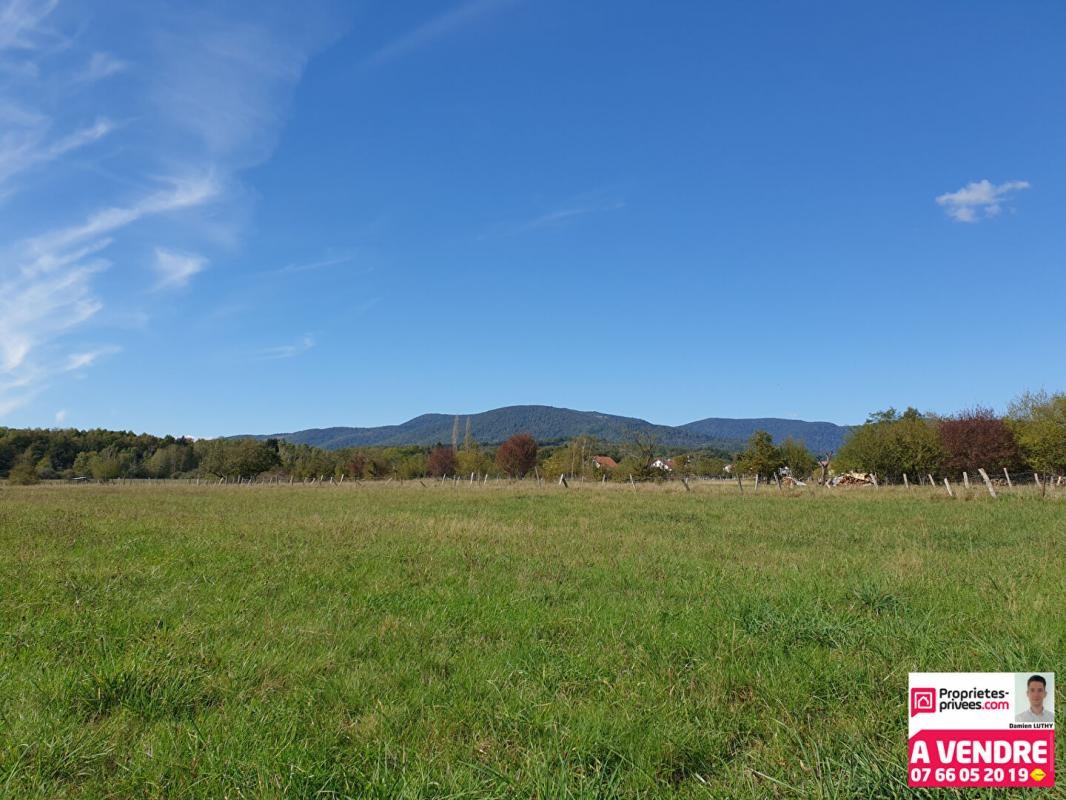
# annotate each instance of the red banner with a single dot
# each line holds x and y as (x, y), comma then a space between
(981, 758)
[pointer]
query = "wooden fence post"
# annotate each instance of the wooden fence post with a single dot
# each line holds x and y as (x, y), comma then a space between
(965, 479)
(873, 479)
(1010, 485)
(988, 482)
(931, 481)
(947, 485)
(906, 484)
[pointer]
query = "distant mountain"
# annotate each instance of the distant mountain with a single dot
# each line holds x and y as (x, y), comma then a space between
(548, 425)
(820, 437)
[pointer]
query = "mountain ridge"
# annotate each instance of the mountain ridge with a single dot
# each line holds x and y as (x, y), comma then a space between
(549, 424)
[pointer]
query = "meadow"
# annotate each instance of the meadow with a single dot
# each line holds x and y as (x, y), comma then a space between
(403, 641)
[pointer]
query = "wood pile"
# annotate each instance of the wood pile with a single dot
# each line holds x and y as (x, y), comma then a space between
(853, 479)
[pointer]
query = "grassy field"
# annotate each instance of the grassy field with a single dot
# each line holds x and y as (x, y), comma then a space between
(394, 641)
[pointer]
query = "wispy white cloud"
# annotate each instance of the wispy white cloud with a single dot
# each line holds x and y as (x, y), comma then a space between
(61, 416)
(228, 84)
(441, 26)
(176, 269)
(979, 200)
(21, 23)
(566, 213)
(101, 65)
(24, 147)
(305, 343)
(309, 266)
(209, 100)
(181, 193)
(76, 361)
(562, 216)
(35, 311)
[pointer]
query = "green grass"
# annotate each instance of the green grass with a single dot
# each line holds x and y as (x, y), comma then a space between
(400, 641)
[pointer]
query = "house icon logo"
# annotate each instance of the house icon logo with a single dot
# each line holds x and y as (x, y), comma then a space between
(923, 701)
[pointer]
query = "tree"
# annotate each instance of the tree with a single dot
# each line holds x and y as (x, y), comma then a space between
(105, 466)
(642, 448)
(760, 457)
(707, 465)
(412, 466)
(517, 455)
(797, 458)
(1038, 421)
(978, 438)
(891, 444)
(572, 459)
(441, 461)
(684, 465)
(236, 457)
(22, 471)
(83, 463)
(45, 469)
(471, 459)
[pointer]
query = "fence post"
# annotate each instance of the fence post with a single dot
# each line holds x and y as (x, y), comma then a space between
(740, 483)
(947, 485)
(965, 479)
(931, 481)
(873, 478)
(906, 484)
(988, 482)
(1010, 485)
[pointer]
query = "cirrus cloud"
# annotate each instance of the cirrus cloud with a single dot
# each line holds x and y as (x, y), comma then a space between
(212, 86)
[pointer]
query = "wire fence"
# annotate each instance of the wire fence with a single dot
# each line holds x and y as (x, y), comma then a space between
(963, 483)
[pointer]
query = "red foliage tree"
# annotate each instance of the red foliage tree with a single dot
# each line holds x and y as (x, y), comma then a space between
(979, 438)
(356, 466)
(441, 462)
(517, 455)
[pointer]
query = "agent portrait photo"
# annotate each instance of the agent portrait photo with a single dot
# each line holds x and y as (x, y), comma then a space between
(1036, 694)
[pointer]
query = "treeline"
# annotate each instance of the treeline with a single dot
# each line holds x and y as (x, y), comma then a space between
(32, 455)
(1031, 436)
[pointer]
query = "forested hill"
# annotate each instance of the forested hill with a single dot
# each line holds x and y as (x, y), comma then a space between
(820, 437)
(548, 424)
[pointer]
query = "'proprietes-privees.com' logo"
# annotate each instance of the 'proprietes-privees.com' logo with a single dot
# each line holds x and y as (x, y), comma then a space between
(923, 701)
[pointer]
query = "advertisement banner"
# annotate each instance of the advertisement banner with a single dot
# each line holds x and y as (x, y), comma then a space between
(981, 729)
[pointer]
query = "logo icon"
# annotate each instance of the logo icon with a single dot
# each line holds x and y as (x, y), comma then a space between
(923, 701)
(1038, 774)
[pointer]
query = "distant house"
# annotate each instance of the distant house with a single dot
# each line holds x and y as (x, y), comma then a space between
(665, 464)
(604, 462)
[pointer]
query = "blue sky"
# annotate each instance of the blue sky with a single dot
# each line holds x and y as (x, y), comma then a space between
(255, 217)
